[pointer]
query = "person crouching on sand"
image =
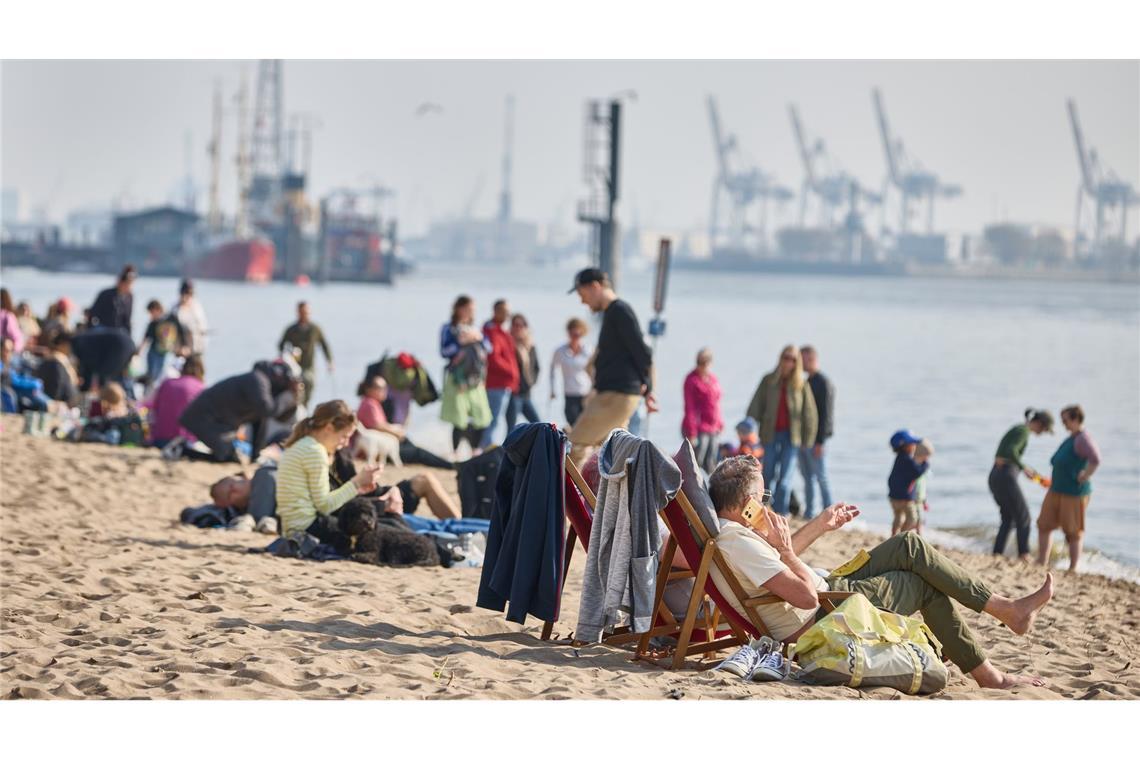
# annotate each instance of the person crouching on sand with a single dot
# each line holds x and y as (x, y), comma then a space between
(305, 503)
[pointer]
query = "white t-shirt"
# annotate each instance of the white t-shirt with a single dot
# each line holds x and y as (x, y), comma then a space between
(576, 380)
(755, 562)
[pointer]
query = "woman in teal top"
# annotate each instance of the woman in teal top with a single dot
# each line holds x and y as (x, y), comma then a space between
(1003, 480)
(1074, 463)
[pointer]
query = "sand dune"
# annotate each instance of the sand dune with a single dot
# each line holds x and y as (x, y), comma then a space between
(104, 595)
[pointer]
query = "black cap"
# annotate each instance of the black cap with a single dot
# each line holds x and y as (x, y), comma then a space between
(588, 275)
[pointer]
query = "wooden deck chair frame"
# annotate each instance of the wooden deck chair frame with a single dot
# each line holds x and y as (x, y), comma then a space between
(580, 520)
(688, 533)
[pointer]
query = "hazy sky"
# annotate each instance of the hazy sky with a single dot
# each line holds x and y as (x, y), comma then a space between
(80, 133)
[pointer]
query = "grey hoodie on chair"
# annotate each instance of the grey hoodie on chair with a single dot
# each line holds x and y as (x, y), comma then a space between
(637, 481)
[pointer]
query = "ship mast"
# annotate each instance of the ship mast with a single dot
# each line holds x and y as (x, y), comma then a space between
(241, 226)
(214, 215)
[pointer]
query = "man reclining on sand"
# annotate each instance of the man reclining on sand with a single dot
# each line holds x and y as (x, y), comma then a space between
(904, 574)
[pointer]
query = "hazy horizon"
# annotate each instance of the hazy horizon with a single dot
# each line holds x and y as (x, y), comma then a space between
(76, 134)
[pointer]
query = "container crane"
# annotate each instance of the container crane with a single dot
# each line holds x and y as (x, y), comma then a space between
(1106, 190)
(833, 189)
(907, 175)
(744, 189)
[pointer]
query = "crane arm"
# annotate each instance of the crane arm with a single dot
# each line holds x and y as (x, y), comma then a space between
(1082, 154)
(719, 142)
(885, 134)
(801, 143)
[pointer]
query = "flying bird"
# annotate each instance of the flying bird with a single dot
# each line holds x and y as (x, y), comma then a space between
(427, 107)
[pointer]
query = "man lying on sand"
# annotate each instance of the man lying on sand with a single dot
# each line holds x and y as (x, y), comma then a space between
(903, 574)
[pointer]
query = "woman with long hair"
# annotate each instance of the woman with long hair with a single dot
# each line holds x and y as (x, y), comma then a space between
(465, 406)
(305, 503)
(527, 356)
(1003, 479)
(784, 407)
(9, 322)
(1074, 463)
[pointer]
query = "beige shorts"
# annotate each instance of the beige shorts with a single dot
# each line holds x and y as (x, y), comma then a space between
(907, 511)
(1063, 511)
(602, 413)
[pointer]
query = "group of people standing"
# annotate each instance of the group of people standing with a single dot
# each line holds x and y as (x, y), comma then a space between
(490, 373)
(1069, 487)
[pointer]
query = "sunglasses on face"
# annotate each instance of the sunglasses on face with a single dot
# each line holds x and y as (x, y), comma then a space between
(787, 358)
(765, 498)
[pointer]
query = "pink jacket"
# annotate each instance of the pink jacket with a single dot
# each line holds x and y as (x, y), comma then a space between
(702, 405)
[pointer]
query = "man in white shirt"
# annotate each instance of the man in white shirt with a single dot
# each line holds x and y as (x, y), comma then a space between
(572, 360)
(903, 574)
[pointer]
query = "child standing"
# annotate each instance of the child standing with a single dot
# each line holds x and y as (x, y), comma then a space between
(165, 337)
(900, 483)
(747, 441)
(922, 453)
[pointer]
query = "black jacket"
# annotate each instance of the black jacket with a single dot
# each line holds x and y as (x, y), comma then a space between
(112, 309)
(623, 360)
(823, 391)
(523, 561)
(251, 397)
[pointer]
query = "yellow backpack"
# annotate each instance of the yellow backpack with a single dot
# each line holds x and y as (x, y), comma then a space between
(859, 645)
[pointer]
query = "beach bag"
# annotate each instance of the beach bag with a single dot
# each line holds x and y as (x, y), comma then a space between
(477, 477)
(859, 645)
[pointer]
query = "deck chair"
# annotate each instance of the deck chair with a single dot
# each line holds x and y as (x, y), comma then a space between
(689, 534)
(577, 494)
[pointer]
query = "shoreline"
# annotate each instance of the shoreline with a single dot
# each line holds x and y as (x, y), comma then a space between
(106, 596)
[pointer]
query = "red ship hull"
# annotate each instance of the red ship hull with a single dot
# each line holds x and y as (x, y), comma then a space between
(248, 260)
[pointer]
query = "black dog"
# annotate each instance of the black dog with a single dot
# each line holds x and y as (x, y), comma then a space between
(379, 538)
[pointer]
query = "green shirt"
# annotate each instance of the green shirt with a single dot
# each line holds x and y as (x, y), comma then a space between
(1013, 445)
(305, 337)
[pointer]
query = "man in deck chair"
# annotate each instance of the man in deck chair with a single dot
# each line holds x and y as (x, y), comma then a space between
(903, 574)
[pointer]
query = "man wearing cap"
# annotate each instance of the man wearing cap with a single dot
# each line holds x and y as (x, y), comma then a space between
(623, 366)
(900, 484)
(112, 307)
(192, 317)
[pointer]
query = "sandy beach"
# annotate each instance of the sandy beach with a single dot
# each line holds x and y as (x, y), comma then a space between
(105, 595)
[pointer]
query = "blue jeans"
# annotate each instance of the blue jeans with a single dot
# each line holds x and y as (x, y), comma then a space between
(813, 468)
(497, 398)
(155, 365)
(778, 459)
(520, 405)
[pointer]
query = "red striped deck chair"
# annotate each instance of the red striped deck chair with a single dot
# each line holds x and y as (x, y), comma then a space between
(701, 552)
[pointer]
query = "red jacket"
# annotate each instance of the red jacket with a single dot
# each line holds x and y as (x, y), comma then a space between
(502, 364)
(702, 405)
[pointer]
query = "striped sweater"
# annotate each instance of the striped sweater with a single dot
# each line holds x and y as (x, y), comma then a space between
(303, 486)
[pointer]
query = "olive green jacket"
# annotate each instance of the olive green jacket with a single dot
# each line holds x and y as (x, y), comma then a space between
(802, 417)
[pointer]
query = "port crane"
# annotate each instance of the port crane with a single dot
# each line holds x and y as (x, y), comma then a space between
(744, 189)
(1103, 186)
(833, 187)
(914, 183)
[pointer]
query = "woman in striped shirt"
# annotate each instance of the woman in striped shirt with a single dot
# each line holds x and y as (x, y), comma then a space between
(305, 502)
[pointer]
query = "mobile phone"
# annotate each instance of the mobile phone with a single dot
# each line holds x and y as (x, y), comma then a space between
(755, 515)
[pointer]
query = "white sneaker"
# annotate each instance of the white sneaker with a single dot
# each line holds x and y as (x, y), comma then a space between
(244, 523)
(742, 661)
(770, 667)
(267, 524)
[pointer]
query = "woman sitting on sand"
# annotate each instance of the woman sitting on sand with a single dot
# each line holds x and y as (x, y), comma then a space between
(305, 503)
(372, 393)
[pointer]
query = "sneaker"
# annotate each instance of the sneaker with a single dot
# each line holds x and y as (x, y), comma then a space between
(770, 667)
(742, 661)
(244, 523)
(267, 524)
(173, 450)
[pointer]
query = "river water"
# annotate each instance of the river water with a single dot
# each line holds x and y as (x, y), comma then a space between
(956, 361)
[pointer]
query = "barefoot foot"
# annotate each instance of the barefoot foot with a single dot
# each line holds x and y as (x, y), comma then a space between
(1022, 612)
(989, 677)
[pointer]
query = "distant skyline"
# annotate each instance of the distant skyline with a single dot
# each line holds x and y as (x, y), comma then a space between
(77, 134)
